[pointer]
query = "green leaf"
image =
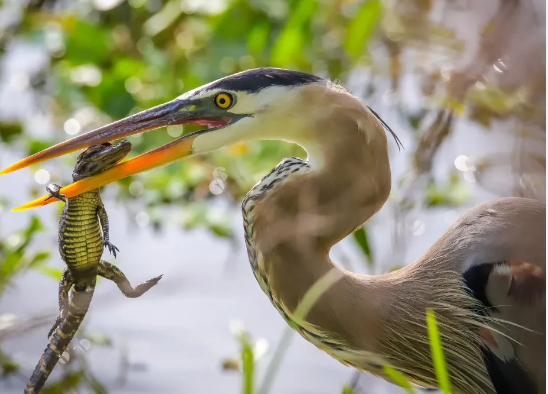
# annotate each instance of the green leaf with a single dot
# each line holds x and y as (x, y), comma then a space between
(360, 236)
(8, 366)
(96, 385)
(399, 379)
(10, 266)
(99, 339)
(10, 131)
(220, 230)
(54, 273)
(111, 97)
(438, 357)
(34, 227)
(68, 382)
(290, 43)
(15, 259)
(257, 38)
(127, 67)
(348, 390)
(40, 257)
(35, 146)
(87, 43)
(453, 193)
(361, 28)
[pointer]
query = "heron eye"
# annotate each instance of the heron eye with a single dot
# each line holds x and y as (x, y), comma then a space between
(223, 100)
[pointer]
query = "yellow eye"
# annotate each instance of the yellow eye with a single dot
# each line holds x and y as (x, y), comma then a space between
(223, 100)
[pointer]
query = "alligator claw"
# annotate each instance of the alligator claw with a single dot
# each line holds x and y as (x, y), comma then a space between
(111, 248)
(53, 190)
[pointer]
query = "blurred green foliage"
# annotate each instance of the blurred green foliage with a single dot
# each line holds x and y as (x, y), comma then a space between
(10, 131)
(15, 255)
(453, 193)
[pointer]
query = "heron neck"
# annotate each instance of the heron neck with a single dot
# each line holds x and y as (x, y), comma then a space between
(296, 223)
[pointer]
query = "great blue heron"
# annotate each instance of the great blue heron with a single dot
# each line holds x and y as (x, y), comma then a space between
(485, 277)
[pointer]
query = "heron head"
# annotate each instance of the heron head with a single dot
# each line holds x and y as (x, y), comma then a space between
(263, 103)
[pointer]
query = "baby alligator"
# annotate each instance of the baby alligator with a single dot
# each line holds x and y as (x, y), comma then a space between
(83, 232)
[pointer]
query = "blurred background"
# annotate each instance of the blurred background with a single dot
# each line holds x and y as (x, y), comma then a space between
(462, 82)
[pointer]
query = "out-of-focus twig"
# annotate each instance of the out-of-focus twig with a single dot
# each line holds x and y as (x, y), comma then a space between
(19, 329)
(511, 36)
(431, 140)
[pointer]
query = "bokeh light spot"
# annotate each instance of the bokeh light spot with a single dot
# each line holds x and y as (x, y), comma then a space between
(462, 163)
(175, 131)
(136, 188)
(142, 219)
(72, 127)
(217, 186)
(42, 176)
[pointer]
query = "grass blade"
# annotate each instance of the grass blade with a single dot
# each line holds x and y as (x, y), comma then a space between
(360, 236)
(311, 296)
(248, 367)
(399, 379)
(437, 352)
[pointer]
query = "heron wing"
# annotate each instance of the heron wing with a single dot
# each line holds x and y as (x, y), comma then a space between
(514, 292)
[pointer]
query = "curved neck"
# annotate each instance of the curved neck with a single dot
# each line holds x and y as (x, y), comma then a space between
(296, 223)
(350, 177)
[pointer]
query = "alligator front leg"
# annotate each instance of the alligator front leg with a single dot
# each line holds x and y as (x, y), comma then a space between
(54, 191)
(103, 218)
(113, 273)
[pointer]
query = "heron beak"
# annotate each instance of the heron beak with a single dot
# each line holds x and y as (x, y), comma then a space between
(176, 112)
